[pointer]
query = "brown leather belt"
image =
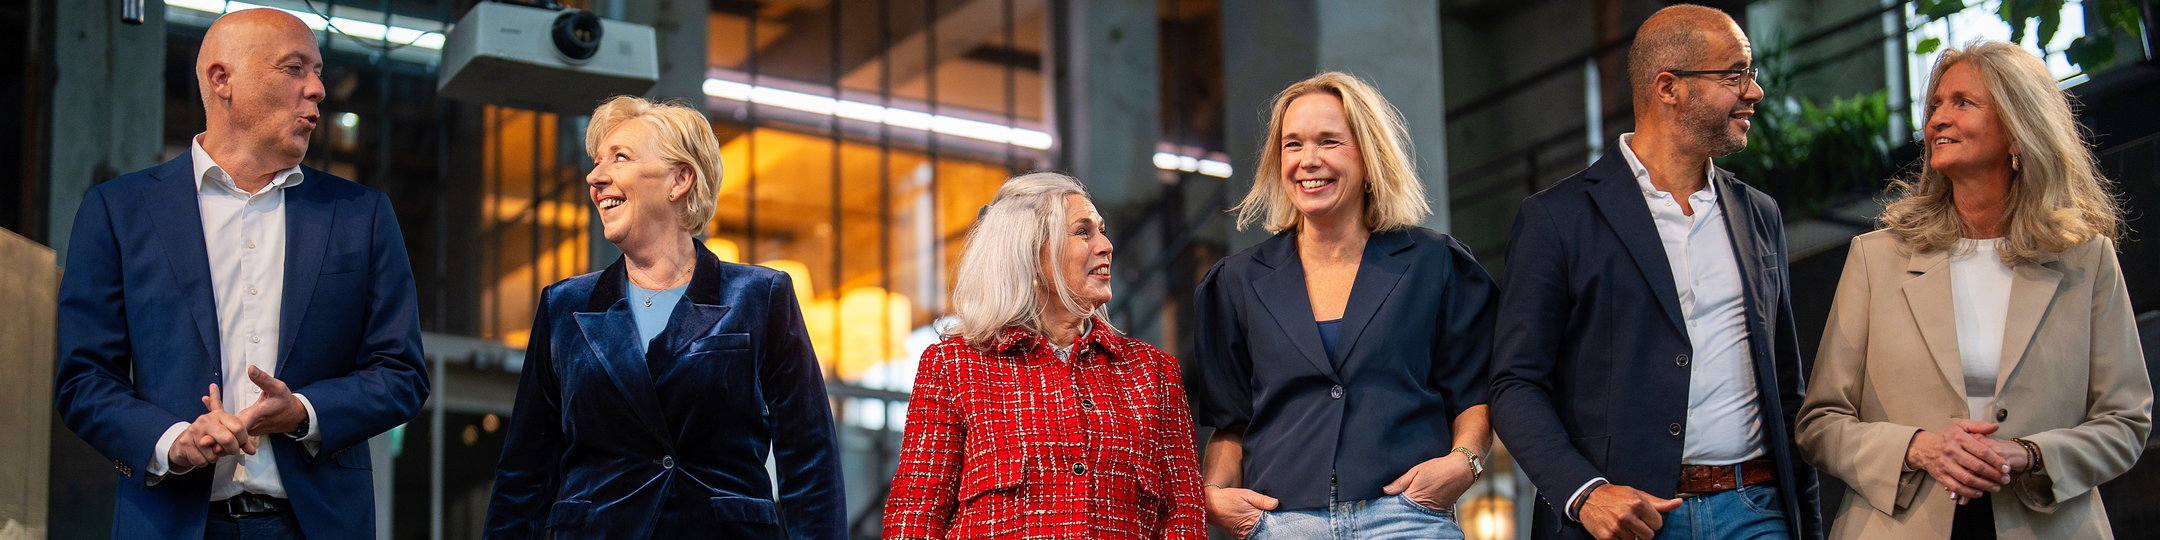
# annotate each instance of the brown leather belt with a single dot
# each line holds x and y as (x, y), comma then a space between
(1705, 479)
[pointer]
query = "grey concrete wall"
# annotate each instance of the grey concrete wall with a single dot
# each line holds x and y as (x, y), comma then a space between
(29, 288)
(1108, 92)
(107, 113)
(1395, 44)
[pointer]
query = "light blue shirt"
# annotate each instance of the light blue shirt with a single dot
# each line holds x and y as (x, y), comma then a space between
(651, 316)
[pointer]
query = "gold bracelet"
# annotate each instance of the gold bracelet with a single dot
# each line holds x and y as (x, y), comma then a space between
(1213, 485)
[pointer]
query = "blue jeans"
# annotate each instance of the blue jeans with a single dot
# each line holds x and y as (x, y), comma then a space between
(279, 526)
(1387, 517)
(1747, 513)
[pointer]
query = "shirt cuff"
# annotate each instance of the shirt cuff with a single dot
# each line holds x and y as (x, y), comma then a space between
(160, 458)
(1584, 491)
(313, 438)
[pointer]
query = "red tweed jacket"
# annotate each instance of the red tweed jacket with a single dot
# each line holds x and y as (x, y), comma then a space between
(1017, 443)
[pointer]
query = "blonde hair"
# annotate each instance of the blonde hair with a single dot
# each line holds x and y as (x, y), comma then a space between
(2058, 197)
(1397, 196)
(684, 139)
(996, 285)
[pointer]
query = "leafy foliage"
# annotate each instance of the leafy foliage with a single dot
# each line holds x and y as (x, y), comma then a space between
(2091, 52)
(1810, 155)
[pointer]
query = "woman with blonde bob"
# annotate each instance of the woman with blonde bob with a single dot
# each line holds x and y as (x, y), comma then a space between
(1343, 360)
(1981, 375)
(1034, 418)
(653, 391)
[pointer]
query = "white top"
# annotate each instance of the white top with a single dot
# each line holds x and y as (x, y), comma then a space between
(1980, 296)
(1724, 420)
(244, 234)
(1724, 424)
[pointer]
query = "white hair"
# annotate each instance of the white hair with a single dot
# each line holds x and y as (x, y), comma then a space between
(1003, 263)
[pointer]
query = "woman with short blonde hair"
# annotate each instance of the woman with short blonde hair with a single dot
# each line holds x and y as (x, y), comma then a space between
(655, 390)
(2024, 387)
(1034, 418)
(681, 136)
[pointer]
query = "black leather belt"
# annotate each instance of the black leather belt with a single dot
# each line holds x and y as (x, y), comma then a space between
(249, 504)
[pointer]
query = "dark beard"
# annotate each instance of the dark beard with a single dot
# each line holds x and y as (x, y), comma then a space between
(1710, 129)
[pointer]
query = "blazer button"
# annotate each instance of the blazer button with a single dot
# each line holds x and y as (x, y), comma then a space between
(1087, 404)
(1680, 360)
(2001, 414)
(1674, 429)
(667, 462)
(1335, 392)
(1079, 468)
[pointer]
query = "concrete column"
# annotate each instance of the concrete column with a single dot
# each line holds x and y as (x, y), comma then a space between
(107, 108)
(1395, 44)
(104, 116)
(1109, 117)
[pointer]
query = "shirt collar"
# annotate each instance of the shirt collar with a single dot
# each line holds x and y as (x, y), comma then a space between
(206, 169)
(1095, 334)
(1642, 174)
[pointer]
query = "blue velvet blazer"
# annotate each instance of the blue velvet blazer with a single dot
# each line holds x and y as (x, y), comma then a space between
(609, 443)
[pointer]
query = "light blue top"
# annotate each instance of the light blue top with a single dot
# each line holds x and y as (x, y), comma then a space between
(653, 318)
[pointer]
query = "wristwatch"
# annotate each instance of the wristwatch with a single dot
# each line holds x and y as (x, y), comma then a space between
(299, 432)
(1477, 464)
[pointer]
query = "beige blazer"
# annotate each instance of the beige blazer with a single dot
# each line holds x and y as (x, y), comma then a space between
(2073, 383)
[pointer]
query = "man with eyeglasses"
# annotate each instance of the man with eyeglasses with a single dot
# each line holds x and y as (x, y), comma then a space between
(1645, 362)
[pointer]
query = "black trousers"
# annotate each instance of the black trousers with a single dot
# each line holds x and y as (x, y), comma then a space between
(1974, 521)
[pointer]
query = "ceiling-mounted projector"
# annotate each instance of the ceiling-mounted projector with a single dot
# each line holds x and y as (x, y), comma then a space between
(545, 59)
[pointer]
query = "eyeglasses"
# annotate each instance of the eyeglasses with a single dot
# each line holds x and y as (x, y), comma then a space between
(1729, 77)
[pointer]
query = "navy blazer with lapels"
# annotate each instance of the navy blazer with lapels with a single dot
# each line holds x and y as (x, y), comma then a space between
(138, 343)
(610, 442)
(1590, 355)
(1410, 356)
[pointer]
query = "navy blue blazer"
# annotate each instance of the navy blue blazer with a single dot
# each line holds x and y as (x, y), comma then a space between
(1410, 357)
(606, 442)
(1590, 375)
(138, 342)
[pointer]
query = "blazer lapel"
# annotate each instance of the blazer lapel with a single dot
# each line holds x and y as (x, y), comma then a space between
(173, 207)
(698, 312)
(2032, 288)
(308, 216)
(612, 335)
(1378, 273)
(1282, 294)
(1748, 249)
(1620, 203)
(1927, 296)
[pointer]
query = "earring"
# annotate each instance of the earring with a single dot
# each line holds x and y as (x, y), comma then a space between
(2013, 162)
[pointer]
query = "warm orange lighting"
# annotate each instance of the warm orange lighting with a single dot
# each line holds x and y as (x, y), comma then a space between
(517, 338)
(1489, 517)
(725, 249)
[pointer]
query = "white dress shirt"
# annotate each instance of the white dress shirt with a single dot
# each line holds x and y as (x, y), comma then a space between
(1980, 297)
(244, 234)
(1724, 419)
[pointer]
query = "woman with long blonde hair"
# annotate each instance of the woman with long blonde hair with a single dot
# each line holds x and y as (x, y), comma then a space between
(1981, 374)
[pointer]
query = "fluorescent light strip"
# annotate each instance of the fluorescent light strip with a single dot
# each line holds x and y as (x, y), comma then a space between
(349, 27)
(869, 112)
(1173, 162)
